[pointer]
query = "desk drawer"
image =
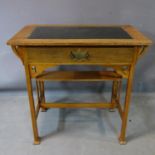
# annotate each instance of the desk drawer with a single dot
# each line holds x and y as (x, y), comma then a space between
(80, 55)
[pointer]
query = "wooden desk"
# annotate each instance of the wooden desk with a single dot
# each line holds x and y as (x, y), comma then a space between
(43, 46)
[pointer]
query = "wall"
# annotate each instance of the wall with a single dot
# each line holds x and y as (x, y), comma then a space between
(14, 14)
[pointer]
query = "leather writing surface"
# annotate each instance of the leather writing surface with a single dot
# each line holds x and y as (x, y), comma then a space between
(79, 33)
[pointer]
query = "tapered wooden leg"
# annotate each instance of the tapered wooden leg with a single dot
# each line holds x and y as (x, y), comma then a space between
(122, 138)
(32, 106)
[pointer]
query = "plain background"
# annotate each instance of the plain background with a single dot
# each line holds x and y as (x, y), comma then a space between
(14, 14)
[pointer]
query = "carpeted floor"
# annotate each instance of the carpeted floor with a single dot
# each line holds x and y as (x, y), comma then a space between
(76, 131)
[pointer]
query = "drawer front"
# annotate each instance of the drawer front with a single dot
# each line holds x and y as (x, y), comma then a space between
(80, 55)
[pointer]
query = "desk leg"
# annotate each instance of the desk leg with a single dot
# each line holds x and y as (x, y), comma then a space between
(122, 138)
(32, 106)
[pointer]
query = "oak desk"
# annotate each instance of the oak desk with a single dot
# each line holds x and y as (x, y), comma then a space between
(43, 46)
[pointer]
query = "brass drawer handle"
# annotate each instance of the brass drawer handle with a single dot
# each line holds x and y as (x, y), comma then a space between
(79, 55)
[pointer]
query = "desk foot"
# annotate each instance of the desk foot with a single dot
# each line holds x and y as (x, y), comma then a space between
(112, 110)
(122, 142)
(36, 142)
(43, 110)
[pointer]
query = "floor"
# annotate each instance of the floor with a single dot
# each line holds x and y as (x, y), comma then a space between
(76, 131)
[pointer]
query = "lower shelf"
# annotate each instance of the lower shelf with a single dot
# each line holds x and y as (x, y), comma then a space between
(79, 76)
(76, 105)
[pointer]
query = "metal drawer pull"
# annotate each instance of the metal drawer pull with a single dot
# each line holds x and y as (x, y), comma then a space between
(79, 55)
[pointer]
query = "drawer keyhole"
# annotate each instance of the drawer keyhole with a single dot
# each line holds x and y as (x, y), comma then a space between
(33, 68)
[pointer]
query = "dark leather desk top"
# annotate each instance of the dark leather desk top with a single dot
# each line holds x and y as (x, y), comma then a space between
(79, 33)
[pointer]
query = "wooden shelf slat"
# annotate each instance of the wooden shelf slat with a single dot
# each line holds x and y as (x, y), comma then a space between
(76, 105)
(78, 76)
